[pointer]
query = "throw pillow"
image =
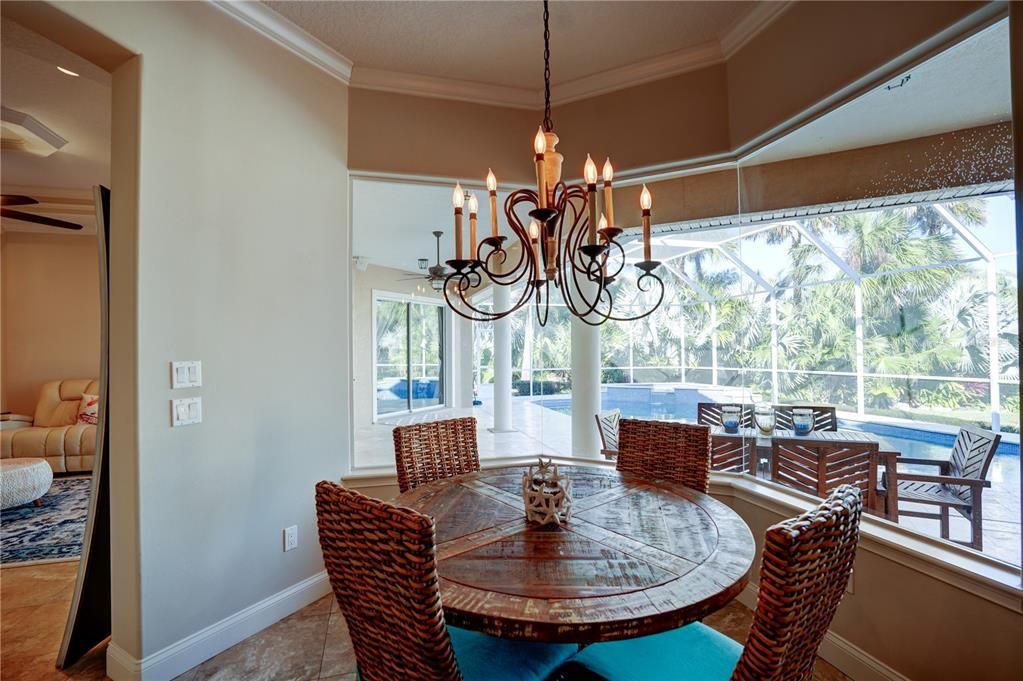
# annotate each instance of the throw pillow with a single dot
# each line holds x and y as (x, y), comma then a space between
(88, 409)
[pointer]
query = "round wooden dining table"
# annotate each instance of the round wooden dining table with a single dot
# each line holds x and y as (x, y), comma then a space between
(635, 558)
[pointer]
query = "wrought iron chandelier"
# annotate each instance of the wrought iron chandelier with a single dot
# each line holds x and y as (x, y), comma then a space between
(563, 244)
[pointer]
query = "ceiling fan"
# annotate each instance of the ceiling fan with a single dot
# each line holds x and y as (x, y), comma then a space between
(437, 273)
(22, 200)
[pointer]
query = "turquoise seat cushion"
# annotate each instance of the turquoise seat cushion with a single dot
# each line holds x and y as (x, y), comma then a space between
(488, 658)
(693, 653)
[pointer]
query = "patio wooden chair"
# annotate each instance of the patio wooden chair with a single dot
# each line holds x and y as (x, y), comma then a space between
(382, 566)
(424, 452)
(665, 450)
(709, 413)
(733, 453)
(803, 575)
(824, 417)
(821, 466)
(607, 426)
(959, 485)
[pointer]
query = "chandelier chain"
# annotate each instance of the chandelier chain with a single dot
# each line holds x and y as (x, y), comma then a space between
(548, 125)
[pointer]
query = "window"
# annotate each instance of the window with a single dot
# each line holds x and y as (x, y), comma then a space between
(408, 353)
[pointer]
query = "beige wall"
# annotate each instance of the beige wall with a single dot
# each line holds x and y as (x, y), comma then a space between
(234, 193)
(917, 624)
(681, 117)
(441, 138)
(809, 53)
(815, 49)
(49, 313)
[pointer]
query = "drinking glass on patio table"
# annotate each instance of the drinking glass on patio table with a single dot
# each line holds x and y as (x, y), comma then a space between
(763, 416)
(730, 418)
(802, 421)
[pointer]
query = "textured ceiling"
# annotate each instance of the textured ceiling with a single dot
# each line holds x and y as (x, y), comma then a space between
(77, 109)
(501, 43)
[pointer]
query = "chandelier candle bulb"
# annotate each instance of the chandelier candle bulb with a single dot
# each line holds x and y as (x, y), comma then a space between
(492, 188)
(474, 207)
(646, 202)
(538, 147)
(590, 174)
(609, 208)
(534, 239)
(458, 198)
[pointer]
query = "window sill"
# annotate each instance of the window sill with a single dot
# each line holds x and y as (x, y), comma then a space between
(962, 568)
(976, 573)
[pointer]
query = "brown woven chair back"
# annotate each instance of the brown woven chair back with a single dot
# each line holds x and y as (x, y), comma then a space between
(804, 571)
(424, 452)
(381, 564)
(662, 450)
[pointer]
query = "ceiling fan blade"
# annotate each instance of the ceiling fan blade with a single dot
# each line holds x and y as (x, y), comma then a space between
(16, 200)
(38, 219)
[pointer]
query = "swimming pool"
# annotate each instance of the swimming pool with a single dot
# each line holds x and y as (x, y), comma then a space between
(638, 401)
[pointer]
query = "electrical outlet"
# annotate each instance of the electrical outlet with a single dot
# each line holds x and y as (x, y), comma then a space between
(291, 538)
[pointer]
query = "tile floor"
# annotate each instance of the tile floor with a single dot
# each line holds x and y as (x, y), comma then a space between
(308, 645)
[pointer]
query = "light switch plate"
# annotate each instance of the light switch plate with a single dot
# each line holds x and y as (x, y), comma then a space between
(186, 411)
(186, 374)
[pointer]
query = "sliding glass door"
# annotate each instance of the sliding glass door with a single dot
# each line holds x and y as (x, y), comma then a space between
(409, 355)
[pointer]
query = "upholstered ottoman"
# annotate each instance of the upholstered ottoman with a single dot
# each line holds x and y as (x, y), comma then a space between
(23, 480)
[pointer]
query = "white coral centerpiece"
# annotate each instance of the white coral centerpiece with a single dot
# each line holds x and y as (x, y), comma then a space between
(547, 494)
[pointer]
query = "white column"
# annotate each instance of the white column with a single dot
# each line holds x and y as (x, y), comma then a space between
(713, 344)
(992, 330)
(461, 362)
(502, 363)
(858, 318)
(585, 388)
(774, 347)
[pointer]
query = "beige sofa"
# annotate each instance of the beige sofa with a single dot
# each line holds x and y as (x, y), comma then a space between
(54, 434)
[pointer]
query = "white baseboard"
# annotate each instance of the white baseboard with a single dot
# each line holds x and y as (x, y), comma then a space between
(849, 659)
(181, 656)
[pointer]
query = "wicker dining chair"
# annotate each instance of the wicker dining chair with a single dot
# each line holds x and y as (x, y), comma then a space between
(381, 562)
(804, 571)
(665, 450)
(424, 452)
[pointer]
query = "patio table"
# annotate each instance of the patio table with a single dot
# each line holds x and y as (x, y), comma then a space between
(763, 442)
(816, 462)
(636, 557)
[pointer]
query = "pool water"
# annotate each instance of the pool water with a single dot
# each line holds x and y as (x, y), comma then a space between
(910, 442)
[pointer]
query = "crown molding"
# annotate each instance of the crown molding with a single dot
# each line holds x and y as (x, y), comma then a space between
(750, 25)
(646, 71)
(297, 40)
(446, 88)
(291, 37)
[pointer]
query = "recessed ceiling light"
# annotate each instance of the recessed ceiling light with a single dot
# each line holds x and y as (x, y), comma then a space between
(67, 71)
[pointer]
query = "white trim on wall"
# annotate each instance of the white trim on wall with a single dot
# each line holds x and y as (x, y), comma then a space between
(446, 349)
(192, 650)
(291, 37)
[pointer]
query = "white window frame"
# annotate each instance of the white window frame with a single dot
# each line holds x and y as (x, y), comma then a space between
(446, 348)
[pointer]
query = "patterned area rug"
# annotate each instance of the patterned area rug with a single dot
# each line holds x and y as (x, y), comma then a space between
(49, 532)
